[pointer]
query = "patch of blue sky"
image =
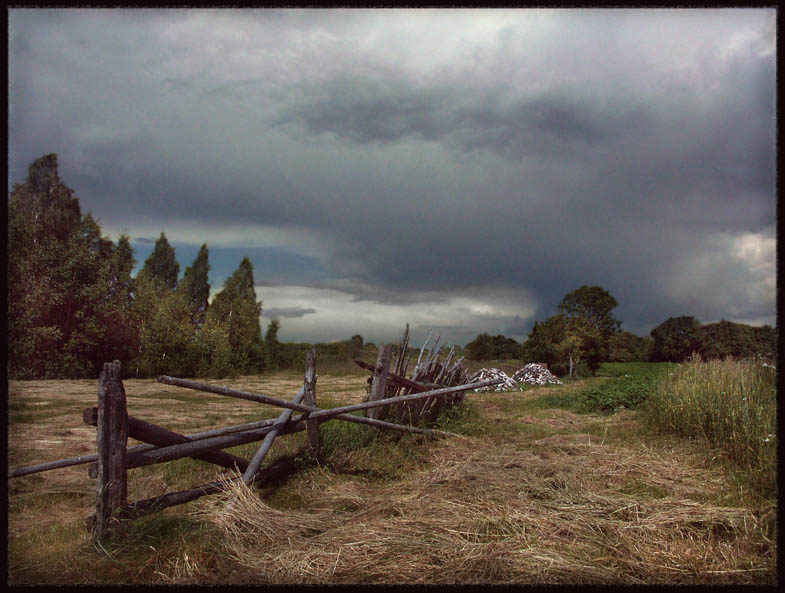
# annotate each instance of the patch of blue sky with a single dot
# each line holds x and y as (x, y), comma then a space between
(270, 263)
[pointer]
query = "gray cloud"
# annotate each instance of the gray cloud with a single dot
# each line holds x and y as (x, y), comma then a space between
(371, 110)
(405, 153)
(287, 312)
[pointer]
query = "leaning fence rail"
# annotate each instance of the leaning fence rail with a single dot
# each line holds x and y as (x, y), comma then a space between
(110, 464)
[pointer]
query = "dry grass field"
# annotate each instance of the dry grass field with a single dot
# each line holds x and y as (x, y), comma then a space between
(529, 494)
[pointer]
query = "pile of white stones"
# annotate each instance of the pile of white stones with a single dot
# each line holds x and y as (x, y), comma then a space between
(488, 374)
(536, 374)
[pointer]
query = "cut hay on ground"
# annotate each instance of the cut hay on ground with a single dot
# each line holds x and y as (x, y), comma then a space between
(560, 513)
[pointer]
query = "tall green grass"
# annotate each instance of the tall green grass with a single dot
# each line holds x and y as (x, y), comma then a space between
(730, 403)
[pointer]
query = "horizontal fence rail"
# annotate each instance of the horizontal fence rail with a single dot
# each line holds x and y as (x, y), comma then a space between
(109, 466)
(282, 403)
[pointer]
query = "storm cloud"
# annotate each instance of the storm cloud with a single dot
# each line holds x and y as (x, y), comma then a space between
(289, 312)
(459, 169)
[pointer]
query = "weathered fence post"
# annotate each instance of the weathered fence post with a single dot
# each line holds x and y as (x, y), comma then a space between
(379, 381)
(311, 426)
(111, 437)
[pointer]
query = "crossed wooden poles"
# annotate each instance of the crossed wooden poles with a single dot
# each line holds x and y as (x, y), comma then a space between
(114, 458)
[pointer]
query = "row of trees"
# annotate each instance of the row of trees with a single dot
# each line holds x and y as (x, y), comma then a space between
(74, 304)
(584, 333)
(180, 332)
(677, 338)
(486, 347)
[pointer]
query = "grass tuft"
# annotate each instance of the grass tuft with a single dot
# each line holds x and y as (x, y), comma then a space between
(732, 405)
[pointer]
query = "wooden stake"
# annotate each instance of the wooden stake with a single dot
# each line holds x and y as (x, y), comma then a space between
(131, 452)
(26, 470)
(403, 351)
(422, 350)
(403, 381)
(379, 382)
(311, 426)
(111, 437)
(240, 438)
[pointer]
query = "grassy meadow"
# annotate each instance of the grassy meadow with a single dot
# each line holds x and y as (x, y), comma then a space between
(640, 475)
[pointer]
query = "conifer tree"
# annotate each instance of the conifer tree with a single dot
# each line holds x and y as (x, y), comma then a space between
(236, 306)
(162, 263)
(195, 281)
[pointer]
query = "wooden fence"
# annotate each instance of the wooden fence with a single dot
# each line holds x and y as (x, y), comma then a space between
(110, 464)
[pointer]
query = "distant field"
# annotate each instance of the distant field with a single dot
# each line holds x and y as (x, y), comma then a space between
(535, 492)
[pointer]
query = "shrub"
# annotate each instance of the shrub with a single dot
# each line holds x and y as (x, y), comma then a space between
(629, 386)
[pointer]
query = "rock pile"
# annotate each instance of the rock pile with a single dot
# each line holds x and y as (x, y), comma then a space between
(535, 374)
(488, 374)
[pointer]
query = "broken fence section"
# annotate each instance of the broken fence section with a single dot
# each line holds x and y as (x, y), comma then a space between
(428, 373)
(432, 386)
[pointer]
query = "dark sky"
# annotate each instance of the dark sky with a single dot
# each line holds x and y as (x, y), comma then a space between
(459, 170)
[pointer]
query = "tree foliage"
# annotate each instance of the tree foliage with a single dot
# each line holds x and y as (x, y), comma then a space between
(162, 264)
(73, 303)
(68, 287)
(725, 338)
(766, 341)
(168, 339)
(214, 350)
(543, 341)
(675, 339)
(197, 287)
(580, 336)
(357, 344)
(593, 305)
(272, 347)
(589, 325)
(236, 306)
(625, 346)
(583, 342)
(486, 347)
